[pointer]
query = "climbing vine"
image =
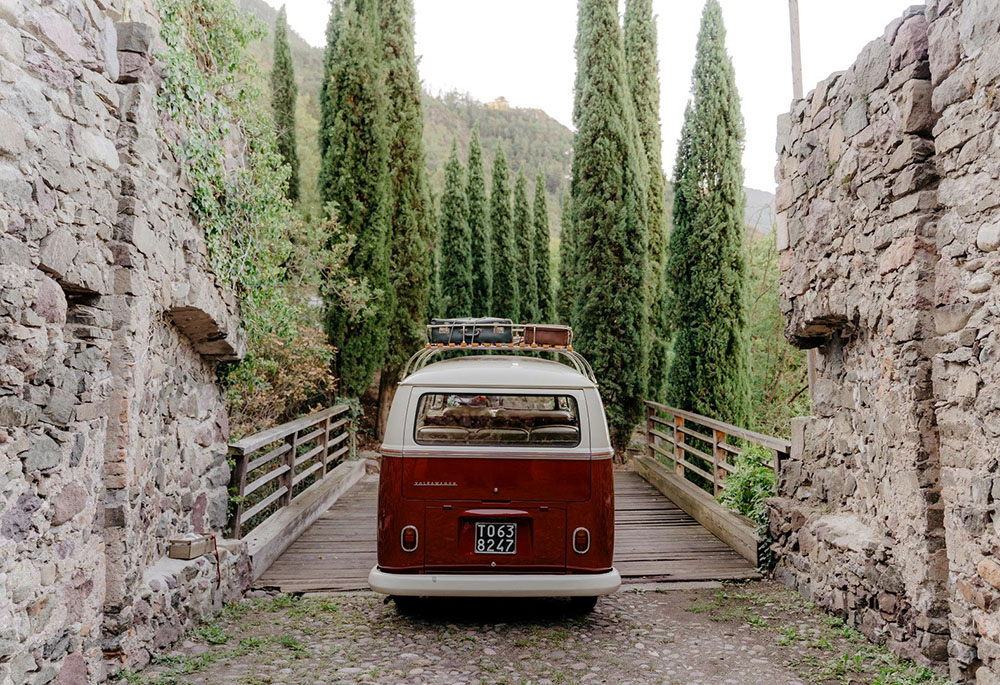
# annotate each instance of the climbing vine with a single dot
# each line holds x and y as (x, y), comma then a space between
(217, 122)
(227, 146)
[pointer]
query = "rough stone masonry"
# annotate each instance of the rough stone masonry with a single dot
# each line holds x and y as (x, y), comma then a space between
(889, 222)
(113, 429)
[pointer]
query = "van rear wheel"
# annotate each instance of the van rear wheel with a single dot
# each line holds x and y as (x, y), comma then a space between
(406, 605)
(582, 605)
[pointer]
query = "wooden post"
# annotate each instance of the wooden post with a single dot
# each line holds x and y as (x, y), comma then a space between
(678, 451)
(719, 457)
(793, 20)
(326, 444)
(650, 412)
(239, 481)
(293, 443)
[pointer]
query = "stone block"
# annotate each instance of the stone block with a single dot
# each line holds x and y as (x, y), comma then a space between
(43, 453)
(70, 501)
(989, 570)
(17, 412)
(58, 33)
(135, 37)
(910, 43)
(916, 111)
(988, 237)
(944, 51)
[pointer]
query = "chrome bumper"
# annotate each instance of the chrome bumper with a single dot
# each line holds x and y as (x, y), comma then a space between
(494, 584)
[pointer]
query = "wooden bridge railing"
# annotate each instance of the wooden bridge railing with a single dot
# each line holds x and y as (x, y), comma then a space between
(702, 449)
(274, 466)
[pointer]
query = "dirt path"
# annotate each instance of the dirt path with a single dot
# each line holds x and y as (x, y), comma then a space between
(733, 633)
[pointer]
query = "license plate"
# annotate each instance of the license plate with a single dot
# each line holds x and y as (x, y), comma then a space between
(496, 538)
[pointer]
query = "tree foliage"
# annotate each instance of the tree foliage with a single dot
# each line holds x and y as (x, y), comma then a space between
(411, 232)
(456, 243)
(479, 231)
(565, 297)
(506, 293)
(644, 84)
(524, 234)
(355, 182)
(609, 207)
(283, 94)
(707, 267)
(543, 260)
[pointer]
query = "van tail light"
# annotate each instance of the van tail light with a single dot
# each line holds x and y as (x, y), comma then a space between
(408, 539)
(581, 540)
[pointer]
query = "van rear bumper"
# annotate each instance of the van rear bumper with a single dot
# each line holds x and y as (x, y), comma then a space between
(494, 584)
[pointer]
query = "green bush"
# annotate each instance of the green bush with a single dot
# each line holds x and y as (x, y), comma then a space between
(749, 486)
(747, 490)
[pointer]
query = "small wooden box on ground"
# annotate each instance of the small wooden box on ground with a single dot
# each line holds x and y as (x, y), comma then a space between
(190, 546)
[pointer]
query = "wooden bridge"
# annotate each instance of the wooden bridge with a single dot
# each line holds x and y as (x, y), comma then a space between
(656, 540)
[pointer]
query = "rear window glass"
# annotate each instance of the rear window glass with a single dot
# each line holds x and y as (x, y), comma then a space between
(509, 420)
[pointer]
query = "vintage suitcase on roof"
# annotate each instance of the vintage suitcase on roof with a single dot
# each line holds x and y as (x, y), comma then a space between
(547, 334)
(471, 331)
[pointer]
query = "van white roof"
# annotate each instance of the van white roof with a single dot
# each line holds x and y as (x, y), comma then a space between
(497, 371)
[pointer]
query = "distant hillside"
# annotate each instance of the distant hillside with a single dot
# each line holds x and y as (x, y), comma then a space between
(531, 138)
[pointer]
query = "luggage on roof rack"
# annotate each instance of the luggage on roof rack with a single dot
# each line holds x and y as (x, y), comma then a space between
(547, 334)
(471, 331)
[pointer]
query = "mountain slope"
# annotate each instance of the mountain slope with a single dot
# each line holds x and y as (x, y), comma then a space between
(531, 138)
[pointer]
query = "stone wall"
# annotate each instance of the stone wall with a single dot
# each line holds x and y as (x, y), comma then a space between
(113, 430)
(888, 215)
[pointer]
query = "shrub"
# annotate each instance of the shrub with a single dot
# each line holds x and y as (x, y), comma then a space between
(747, 490)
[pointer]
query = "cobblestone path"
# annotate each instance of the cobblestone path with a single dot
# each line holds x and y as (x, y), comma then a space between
(733, 633)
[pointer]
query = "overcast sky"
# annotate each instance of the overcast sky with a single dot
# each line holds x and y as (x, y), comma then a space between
(523, 50)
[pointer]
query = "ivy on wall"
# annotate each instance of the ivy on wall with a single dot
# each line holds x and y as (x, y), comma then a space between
(259, 246)
(230, 155)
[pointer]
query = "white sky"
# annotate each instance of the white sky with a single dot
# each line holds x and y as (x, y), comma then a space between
(523, 50)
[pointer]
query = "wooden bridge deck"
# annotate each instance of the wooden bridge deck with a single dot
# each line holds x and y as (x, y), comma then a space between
(654, 541)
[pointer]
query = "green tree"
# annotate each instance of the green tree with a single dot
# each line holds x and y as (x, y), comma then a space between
(356, 186)
(435, 307)
(506, 294)
(524, 234)
(706, 269)
(283, 94)
(411, 233)
(543, 260)
(644, 84)
(456, 242)
(609, 204)
(565, 298)
(479, 232)
(326, 107)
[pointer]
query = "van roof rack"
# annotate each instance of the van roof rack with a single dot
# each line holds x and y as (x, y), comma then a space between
(517, 344)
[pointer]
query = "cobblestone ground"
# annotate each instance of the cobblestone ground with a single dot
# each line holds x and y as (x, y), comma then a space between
(733, 633)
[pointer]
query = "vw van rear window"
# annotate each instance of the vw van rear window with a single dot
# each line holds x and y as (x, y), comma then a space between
(508, 420)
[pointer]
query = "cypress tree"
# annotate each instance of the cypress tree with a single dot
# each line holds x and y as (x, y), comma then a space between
(644, 84)
(565, 299)
(506, 293)
(609, 204)
(543, 265)
(356, 181)
(479, 231)
(326, 113)
(524, 233)
(706, 269)
(283, 94)
(434, 305)
(456, 242)
(411, 236)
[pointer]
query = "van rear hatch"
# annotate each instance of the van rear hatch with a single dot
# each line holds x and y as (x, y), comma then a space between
(496, 478)
(497, 446)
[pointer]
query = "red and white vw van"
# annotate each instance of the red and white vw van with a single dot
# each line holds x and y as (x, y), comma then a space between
(496, 480)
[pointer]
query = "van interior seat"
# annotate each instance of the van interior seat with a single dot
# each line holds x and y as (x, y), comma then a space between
(562, 435)
(442, 435)
(499, 436)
